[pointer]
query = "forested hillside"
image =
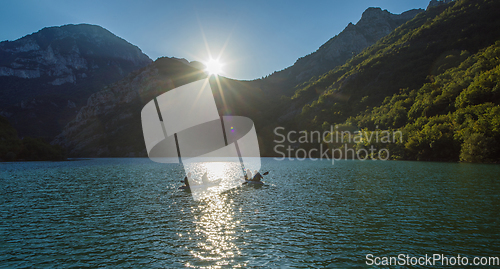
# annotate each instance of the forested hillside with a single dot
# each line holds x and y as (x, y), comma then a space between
(12, 148)
(436, 78)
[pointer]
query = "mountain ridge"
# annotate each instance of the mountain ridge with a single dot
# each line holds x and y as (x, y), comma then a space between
(374, 24)
(99, 130)
(79, 145)
(430, 79)
(373, 89)
(46, 76)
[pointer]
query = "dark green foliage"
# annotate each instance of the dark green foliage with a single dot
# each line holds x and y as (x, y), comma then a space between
(10, 144)
(116, 131)
(432, 139)
(455, 117)
(479, 129)
(435, 78)
(27, 149)
(35, 149)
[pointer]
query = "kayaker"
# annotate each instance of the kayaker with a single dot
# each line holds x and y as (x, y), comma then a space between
(186, 181)
(204, 178)
(257, 176)
(249, 175)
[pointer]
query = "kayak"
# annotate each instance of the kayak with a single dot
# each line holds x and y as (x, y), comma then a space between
(254, 183)
(200, 186)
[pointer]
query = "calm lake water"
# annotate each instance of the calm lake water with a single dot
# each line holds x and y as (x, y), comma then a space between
(129, 213)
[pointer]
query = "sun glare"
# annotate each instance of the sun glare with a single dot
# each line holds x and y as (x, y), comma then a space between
(213, 67)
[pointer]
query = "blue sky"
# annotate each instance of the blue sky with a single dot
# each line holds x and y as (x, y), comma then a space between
(260, 37)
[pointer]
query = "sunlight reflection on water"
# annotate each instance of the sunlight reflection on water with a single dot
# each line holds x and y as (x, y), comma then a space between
(129, 213)
(222, 176)
(215, 226)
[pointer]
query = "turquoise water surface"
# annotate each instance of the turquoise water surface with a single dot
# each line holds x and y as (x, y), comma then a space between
(129, 213)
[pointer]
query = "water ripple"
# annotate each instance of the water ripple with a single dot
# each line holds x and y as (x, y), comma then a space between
(129, 213)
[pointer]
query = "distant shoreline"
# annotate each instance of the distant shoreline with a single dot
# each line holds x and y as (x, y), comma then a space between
(266, 157)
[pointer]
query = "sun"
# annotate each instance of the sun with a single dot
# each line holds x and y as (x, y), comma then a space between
(213, 67)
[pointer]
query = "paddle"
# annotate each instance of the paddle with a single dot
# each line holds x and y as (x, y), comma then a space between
(265, 174)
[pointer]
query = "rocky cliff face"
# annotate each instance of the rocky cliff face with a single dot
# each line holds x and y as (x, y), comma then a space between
(110, 122)
(435, 3)
(47, 76)
(374, 24)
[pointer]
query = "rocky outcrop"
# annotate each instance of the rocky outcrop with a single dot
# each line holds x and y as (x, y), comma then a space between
(67, 50)
(21, 73)
(374, 24)
(435, 3)
(56, 66)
